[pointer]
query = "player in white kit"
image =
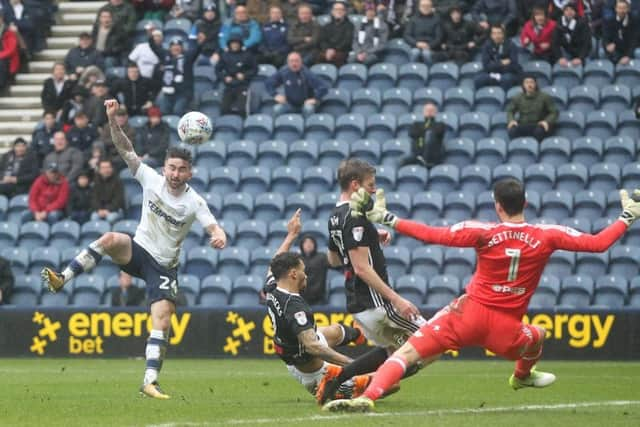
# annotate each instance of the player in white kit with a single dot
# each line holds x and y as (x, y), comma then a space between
(169, 208)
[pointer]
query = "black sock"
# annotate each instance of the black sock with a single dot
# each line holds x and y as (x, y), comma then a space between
(412, 370)
(368, 362)
(350, 335)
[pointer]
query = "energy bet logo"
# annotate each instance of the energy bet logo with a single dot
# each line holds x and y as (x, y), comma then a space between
(241, 332)
(48, 331)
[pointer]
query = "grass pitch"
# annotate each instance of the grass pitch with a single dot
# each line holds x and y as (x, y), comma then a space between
(82, 392)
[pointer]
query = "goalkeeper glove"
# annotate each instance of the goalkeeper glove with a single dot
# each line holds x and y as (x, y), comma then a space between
(376, 212)
(630, 207)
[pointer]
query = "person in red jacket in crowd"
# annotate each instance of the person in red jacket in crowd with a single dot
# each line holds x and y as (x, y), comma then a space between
(538, 32)
(9, 53)
(48, 196)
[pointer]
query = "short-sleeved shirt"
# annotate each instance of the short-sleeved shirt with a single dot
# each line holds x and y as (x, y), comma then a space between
(290, 314)
(348, 232)
(166, 219)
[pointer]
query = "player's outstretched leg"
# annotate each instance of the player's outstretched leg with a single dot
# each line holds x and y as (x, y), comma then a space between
(156, 349)
(525, 374)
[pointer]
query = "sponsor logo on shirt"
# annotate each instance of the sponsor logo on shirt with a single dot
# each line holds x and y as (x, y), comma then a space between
(301, 318)
(162, 214)
(357, 233)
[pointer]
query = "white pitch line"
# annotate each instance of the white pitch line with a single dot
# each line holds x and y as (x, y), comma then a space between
(434, 412)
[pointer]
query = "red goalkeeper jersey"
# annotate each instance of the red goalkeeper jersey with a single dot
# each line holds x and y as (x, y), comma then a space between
(510, 256)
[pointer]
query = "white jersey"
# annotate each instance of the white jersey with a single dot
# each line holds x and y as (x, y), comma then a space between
(166, 219)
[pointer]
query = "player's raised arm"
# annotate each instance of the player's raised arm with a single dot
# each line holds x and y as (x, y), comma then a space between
(217, 236)
(309, 339)
(120, 140)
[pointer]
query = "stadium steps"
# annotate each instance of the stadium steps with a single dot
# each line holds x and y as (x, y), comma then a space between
(21, 110)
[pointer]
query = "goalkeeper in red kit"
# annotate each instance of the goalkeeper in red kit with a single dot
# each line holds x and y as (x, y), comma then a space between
(511, 255)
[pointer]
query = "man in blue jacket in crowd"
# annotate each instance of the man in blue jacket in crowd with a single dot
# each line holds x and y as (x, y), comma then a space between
(241, 24)
(302, 88)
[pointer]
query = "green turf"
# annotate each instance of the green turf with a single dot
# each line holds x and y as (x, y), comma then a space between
(65, 392)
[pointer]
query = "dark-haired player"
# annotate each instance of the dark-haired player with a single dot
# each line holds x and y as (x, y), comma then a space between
(307, 350)
(512, 255)
(169, 208)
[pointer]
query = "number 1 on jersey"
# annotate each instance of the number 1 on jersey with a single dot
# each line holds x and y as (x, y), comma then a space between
(514, 254)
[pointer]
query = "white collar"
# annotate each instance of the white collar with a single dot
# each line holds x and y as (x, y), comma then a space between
(283, 290)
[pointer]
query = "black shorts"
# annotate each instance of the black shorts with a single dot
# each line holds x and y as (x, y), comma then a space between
(161, 282)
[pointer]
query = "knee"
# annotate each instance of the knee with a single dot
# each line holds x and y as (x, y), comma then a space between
(108, 240)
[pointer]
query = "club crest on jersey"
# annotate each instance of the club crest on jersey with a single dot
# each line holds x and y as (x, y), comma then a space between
(357, 232)
(301, 318)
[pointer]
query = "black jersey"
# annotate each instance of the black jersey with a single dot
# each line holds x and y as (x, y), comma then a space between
(290, 314)
(348, 232)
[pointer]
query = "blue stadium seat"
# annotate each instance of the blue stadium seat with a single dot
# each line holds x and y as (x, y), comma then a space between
(258, 128)
(489, 100)
(566, 76)
(319, 127)
(350, 127)
(424, 95)
(67, 254)
(592, 264)
(352, 77)
(412, 287)
(268, 207)
(367, 150)
(204, 79)
(8, 235)
(272, 154)
(366, 101)
(523, 151)
(412, 76)
(555, 151)
(233, 261)
(396, 101)
(491, 152)
(584, 99)
(628, 125)
(137, 122)
(598, 73)
(405, 122)
(458, 100)
(485, 207)
(332, 152)
(541, 70)
(634, 293)
(304, 201)
(508, 171)
(412, 179)
(625, 261)
(577, 291)
(426, 261)
(513, 92)
(59, 299)
(589, 204)
(288, 127)
(442, 290)
(547, 292)
(444, 178)
(44, 257)
(427, 206)
(459, 152)
(326, 203)
(399, 203)
(580, 224)
(224, 180)
(24, 296)
(326, 72)
(628, 74)
(4, 206)
(302, 154)
(572, 177)
(34, 234)
(18, 258)
(336, 103)
(398, 260)
(604, 177)
(286, 180)
(211, 154)
(601, 124)
(318, 230)
(237, 206)
(587, 151)
(570, 125)
(557, 205)
(241, 154)
(615, 98)
(613, 204)
(277, 232)
(189, 287)
(199, 182)
(210, 103)
(450, 120)
(180, 27)
(602, 223)
(619, 150)
(88, 290)
(386, 177)
(631, 175)
(475, 179)
(499, 126)
(468, 72)
(561, 264)
(459, 262)
(317, 180)
(255, 180)
(18, 205)
(382, 76)
(228, 128)
(380, 127)
(245, 291)
(251, 233)
(260, 260)
(201, 261)
(611, 291)
(459, 206)
(474, 125)
(215, 291)
(444, 75)
(92, 230)
(396, 51)
(337, 297)
(214, 201)
(559, 95)
(194, 238)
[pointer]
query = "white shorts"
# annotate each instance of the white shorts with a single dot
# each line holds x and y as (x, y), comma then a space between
(385, 327)
(310, 380)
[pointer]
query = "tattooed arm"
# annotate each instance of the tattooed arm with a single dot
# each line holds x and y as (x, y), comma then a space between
(309, 339)
(120, 140)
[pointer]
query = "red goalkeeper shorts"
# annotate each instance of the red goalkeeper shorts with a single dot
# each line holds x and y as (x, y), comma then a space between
(466, 323)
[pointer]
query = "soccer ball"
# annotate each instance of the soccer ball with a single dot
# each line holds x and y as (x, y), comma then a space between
(194, 128)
